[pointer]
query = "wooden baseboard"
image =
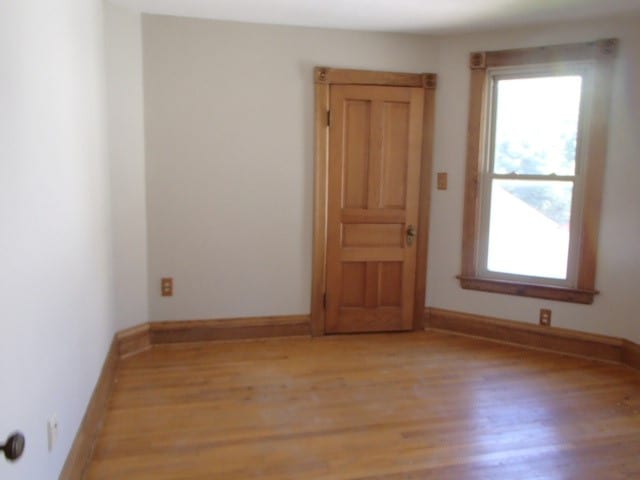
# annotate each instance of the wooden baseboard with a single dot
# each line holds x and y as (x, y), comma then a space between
(134, 340)
(631, 354)
(82, 446)
(137, 339)
(229, 329)
(560, 340)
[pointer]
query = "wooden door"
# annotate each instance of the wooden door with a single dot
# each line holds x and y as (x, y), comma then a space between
(375, 139)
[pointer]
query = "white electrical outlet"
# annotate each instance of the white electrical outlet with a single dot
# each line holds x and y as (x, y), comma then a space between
(52, 431)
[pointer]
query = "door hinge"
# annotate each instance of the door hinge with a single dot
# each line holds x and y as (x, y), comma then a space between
(328, 118)
(324, 300)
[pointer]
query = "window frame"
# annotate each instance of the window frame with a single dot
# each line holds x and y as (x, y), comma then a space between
(595, 60)
(488, 175)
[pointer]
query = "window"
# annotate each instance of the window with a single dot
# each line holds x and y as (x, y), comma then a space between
(535, 161)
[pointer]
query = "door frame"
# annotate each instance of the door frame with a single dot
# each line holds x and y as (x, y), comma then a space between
(324, 77)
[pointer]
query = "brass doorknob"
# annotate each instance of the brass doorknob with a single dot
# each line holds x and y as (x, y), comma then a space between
(411, 234)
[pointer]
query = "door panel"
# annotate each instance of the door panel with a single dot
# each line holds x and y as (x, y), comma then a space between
(354, 278)
(374, 171)
(371, 235)
(395, 155)
(357, 119)
(390, 284)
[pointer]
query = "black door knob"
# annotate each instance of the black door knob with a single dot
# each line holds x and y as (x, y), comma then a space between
(14, 447)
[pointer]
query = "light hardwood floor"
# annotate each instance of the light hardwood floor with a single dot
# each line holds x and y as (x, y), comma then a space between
(385, 406)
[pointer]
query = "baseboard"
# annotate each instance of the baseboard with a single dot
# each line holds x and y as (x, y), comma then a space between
(560, 340)
(133, 340)
(229, 329)
(137, 339)
(631, 354)
(85, 438)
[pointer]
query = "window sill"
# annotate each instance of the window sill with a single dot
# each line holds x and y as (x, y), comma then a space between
(548, 292)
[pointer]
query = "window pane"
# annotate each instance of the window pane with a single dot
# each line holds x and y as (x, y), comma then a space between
(529, 228)
(537, 125)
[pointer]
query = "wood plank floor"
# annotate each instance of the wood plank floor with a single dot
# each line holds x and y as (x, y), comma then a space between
(385, 406)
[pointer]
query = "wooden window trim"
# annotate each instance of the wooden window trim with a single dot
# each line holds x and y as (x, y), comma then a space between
(324, 77)
(601, 54)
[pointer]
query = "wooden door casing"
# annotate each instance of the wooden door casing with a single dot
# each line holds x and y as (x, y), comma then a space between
(325, 80)
(373, 198)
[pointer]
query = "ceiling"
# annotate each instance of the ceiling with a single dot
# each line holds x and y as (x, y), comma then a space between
(419, 16)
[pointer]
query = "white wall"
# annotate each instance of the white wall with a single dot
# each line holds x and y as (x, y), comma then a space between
(229, 166)
(55, 249)
(123, 38)
(229, 138)
(615, 311)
